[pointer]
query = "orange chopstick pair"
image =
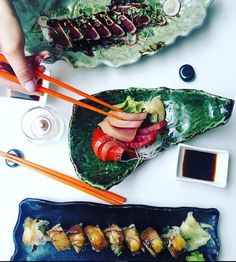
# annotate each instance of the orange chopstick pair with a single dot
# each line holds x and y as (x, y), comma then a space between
(61, 96)
(107, 196)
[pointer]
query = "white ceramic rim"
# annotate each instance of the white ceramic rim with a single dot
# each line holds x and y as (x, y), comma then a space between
(221, 168)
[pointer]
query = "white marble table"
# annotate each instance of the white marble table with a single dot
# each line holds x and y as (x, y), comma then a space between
(211, 51)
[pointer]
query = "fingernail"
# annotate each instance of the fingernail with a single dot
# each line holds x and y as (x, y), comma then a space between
(30, 86)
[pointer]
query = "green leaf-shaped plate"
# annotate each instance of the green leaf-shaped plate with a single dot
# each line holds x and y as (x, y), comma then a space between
(188, 113)
(150, 39)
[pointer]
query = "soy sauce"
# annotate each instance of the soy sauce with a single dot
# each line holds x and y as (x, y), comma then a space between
(199, 165)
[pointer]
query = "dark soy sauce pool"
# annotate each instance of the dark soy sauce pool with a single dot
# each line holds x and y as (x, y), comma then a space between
(199, 165)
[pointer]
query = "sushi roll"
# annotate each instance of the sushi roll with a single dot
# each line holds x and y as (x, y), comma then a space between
(152, 241)
(34, 232)
(96, 237)
(133, 240)
(77, 237)
(59, 238)
(116, 238)
(174, 241)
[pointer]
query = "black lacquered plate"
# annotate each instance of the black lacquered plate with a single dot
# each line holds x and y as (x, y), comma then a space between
(69, 213)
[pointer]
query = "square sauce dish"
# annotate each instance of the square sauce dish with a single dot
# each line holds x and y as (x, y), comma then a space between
(206, 166)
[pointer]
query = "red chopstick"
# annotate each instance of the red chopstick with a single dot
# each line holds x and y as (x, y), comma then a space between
(107, 196)
(61, 96)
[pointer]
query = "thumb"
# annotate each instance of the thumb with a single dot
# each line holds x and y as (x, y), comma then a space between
(22, 70)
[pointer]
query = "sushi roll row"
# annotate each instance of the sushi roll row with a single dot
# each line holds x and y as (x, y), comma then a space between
(36, 232)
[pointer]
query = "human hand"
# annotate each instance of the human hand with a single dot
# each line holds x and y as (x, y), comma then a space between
(34, 63)
(12, 47)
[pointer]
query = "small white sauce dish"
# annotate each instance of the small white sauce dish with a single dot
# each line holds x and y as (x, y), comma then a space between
(220, 167)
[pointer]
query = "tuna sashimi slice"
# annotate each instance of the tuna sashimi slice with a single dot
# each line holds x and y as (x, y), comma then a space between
(143, 140)
(152, 128)
(122, 134)
(74, 32)
(100, 28)
(126, 24)
(148, 137)
(88, 30)
(141, 20)
(59, 38)
(114, 28)
(139, 144)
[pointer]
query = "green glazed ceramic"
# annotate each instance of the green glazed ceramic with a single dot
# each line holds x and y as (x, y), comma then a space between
(150, 38)
(188, 113)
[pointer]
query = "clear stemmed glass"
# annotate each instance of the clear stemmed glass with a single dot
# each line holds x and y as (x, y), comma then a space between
(42, 125)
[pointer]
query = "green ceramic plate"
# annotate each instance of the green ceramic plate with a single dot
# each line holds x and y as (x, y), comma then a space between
(188, 113)
(150, 38)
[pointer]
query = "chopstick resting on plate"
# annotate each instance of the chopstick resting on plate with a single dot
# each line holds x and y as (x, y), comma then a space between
(107, 196)
(61, 96)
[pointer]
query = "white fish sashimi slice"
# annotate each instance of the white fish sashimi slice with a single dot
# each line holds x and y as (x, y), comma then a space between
(130, 117)
(124, 123)
(122, 134)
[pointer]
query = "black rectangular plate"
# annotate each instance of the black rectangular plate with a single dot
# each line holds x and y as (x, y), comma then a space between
(70, 213)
